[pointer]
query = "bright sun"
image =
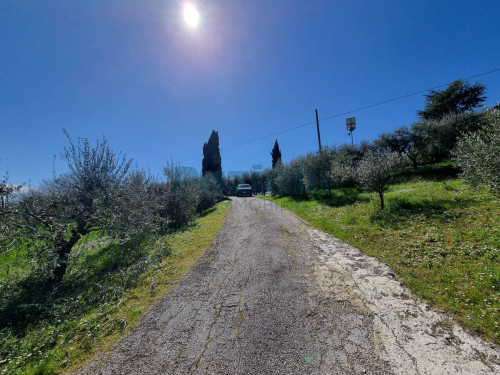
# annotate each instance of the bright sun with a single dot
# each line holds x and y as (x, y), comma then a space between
(191, 16)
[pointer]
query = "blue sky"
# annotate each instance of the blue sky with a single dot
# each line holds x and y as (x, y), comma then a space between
(134, 72)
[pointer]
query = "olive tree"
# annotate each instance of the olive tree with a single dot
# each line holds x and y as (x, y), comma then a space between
(52, 219)
(376, 170)
(403, 141)
(343, 173)
(478, 154)
(343, 168)
(7, 190)
(135, 211)
(229, 186)
(288, 179)
(264, 181)
(256, 181)
(7, 207)
(436, 139)
(316, 169)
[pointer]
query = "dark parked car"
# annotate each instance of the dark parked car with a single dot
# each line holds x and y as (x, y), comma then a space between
(244, 190)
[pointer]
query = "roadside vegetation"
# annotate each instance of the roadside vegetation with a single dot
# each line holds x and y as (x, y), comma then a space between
(441, 237)
(84, 254)
(106, 290)
(423, 198)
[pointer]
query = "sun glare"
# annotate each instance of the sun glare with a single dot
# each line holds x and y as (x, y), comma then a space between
(191, 16)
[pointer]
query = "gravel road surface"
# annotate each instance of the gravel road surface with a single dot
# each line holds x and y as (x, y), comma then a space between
(271, 295)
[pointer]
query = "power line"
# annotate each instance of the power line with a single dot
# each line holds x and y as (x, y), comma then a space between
(406, 96)
(342, 114)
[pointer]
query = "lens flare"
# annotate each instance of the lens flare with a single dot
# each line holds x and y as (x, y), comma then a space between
(191, 16)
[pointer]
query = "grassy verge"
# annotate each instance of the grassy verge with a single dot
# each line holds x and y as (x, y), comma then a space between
(106, 290)
(441, 237)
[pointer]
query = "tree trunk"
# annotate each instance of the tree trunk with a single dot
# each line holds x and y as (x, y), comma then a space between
(414, 161)
(381, 195)
(62, 264)
(317, 178)
(63, 250)
(304, 180)
(329, 186)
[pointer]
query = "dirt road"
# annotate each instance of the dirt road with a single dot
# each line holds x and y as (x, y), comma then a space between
(274, 296)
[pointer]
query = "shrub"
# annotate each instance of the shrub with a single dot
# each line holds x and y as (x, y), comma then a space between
(179, 197)
(210, 192)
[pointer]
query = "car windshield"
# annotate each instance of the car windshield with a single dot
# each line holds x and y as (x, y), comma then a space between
(243, 186)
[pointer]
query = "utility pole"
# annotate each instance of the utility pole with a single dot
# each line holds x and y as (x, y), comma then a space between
(317, 127)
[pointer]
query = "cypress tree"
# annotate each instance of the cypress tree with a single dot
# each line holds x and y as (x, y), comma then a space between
(276, 154)
(212, 161)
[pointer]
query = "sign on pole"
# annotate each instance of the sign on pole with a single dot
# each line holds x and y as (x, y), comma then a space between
(351, 123)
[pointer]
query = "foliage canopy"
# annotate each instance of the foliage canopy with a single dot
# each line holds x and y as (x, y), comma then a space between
(459, 96)
(478, 154)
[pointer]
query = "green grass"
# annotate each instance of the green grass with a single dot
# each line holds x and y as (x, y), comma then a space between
(13, 262)
(107, 288)
(441, 237)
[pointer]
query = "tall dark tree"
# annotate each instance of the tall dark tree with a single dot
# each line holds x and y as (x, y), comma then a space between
(212, 161)
(458, 97)
(276, 154)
